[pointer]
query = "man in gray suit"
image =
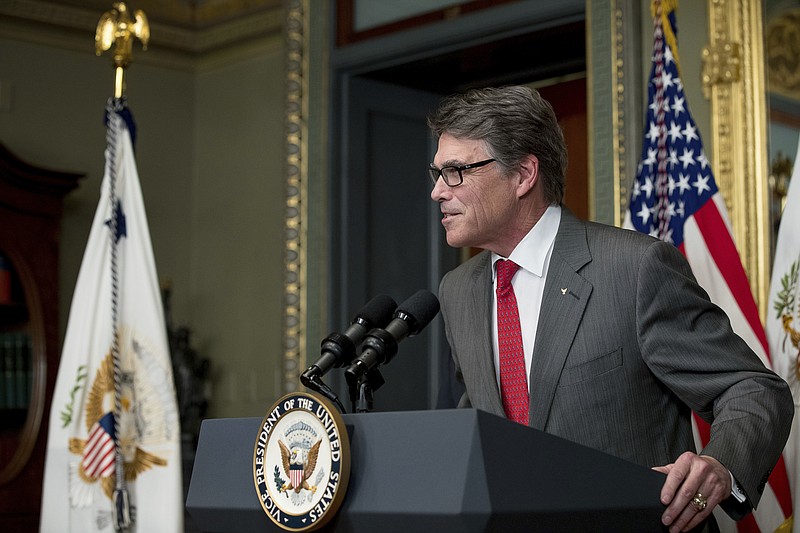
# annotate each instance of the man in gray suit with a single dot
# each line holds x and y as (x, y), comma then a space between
(619, 342)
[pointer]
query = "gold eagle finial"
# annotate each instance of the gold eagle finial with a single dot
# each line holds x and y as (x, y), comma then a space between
(118, 28)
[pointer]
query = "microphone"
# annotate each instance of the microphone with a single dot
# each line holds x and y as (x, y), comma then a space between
(339, 349)
(380, 345)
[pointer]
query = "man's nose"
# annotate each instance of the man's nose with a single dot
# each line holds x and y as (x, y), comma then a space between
(439, 190)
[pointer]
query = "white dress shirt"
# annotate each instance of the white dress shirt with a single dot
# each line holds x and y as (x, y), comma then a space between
(532, 254)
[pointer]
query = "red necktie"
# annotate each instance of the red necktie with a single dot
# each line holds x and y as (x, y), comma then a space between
(513, 378)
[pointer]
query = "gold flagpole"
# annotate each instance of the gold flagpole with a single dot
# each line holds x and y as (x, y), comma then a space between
(119, 28)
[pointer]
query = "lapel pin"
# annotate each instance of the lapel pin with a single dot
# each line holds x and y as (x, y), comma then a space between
(563, 290)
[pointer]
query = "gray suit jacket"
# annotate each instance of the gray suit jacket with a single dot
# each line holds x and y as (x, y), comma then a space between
(627, 346)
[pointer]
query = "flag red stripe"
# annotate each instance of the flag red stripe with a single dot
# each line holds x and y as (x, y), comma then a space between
(100, 460)
(724, 253)
(101, 464)
(748, 524)
(779, 481)
(102, 467)
(93, 446)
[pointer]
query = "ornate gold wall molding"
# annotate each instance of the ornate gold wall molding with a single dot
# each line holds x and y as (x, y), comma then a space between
(305, 295)
(628, 92)
(295, 275)
(619, 138)
(614, 67)
(733, 78)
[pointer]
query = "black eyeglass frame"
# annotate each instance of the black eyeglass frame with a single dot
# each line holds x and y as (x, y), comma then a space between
(436, 173)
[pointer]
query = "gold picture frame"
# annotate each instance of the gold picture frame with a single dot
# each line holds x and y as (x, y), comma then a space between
(734, 80)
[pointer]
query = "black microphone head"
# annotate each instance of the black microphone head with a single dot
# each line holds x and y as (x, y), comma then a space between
(377, 312)
(419, 310)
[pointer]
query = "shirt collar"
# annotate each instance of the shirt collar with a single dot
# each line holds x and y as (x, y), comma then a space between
(532, 251)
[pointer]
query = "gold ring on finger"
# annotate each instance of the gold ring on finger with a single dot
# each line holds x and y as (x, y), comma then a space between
(699, 501)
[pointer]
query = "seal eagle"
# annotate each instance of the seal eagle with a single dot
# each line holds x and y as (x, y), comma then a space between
(299, 464)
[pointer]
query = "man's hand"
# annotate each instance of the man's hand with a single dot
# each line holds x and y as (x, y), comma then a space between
(691, 475)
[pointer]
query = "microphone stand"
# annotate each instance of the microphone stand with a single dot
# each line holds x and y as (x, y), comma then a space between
(361, 392)
(314, 382)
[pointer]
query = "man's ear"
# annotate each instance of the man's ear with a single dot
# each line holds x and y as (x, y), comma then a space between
(528, 175)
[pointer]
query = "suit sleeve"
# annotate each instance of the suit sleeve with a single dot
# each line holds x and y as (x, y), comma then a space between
(688, 343)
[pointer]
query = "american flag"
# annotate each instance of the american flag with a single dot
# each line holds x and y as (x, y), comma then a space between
(675, 198)
(674, 179)
(98, 454)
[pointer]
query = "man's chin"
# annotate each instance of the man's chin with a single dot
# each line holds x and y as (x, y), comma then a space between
(456, 242)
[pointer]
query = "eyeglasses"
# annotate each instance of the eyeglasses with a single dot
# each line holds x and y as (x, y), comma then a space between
(452, 175)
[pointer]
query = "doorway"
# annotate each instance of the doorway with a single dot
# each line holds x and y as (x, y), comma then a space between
(386, 235)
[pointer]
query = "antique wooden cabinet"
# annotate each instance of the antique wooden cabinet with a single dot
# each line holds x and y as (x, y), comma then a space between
(31, 200)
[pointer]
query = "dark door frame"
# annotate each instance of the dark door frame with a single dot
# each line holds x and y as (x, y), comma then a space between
(514, 42)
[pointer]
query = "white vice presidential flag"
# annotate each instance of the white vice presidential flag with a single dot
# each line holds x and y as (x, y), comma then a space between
(117, 291)
(783, 323)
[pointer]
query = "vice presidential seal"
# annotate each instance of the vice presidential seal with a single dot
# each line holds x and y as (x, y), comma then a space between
(301, 462)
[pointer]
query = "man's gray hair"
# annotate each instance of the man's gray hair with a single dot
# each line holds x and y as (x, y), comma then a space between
(514, 122)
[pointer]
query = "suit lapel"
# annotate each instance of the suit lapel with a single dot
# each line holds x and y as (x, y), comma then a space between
(480, 305)
(566, 294)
